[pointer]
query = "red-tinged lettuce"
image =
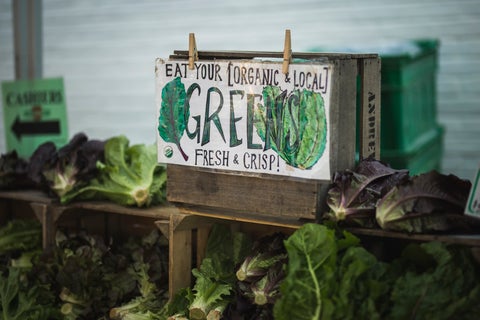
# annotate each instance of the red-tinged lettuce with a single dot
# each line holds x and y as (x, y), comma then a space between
(353, 195)
(266, 252)
(129, 175)
(38, 161)
(149, 271)
(73, 165)
(13, 172)
(427, 202)
(260, 276)
(267, 289)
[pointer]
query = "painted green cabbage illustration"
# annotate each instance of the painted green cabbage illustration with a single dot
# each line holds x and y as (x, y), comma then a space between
(293, 125)
(174, 114)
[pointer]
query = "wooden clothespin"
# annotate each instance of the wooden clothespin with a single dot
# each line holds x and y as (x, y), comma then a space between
(287, 51)
(192, 51)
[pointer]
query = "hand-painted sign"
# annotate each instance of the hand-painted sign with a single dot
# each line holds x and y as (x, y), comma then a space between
(245, 115)
(34, 112)
(473, 203)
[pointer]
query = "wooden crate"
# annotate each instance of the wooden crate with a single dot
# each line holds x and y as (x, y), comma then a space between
(265, 195)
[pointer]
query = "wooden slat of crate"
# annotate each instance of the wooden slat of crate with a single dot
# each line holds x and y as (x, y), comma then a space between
(264, 195)
(26, 195)
(370, 92)
(179, 230)
(15, 204)
(215, 54)
(95, 216)
(472, 240)
(343, 108)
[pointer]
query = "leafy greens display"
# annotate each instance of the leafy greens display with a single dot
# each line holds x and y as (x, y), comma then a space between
(330, 276)
(326, 274)
(375, 195)
(91, 278)
(436, 281)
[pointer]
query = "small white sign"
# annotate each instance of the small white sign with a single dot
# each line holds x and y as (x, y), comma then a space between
(473, 203)
(246, 116)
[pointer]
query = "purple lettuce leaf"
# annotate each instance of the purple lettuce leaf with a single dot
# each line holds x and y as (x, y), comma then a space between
(353, 195)
(427, 202)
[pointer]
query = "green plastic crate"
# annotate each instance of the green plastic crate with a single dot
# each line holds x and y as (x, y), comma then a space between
(426, 156)
(409, 106)
(410, 136)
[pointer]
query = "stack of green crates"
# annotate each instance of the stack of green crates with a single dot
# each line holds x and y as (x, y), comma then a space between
(411, 138)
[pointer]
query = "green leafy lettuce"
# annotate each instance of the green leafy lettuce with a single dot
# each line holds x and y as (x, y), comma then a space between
(435, 281)
(330, 277)
(214, 278)
(293, 125)
(20, 235)
(129, 176)
(149, 274)
(312, 255)
(18, 301)
(20, 245)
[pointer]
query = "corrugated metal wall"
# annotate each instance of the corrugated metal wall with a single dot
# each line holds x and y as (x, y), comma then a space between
(105, 51)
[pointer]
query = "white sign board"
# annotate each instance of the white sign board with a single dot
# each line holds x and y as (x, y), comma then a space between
(245, 116)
